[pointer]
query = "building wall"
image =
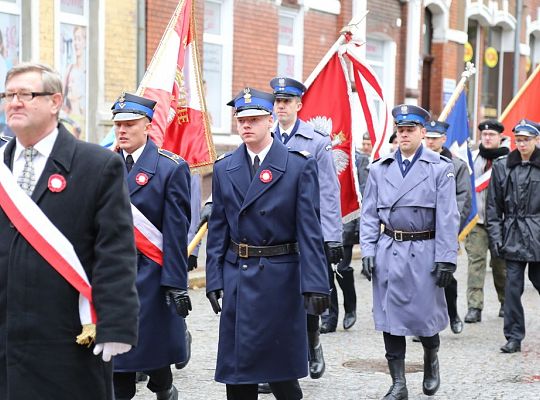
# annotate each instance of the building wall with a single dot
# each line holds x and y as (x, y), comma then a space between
(46, 32)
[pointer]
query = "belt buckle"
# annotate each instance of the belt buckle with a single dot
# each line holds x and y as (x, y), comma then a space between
(243, 250)
(398, 236)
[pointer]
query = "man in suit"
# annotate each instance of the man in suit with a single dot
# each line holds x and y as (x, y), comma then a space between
(268, 273)
(159, 187)
(78, 190)
(412, 193)
(299, 135)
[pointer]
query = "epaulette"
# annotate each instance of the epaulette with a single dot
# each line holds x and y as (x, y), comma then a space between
(321, 132)
(444, 158)
(304, 153)
(169, 154)
(223, 156)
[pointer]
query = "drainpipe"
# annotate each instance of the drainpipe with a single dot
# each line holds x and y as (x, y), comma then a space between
(519, 8)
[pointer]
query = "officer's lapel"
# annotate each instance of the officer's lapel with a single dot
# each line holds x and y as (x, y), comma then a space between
(393, 174)
(239, 171)
(419, 172)
(144, 169)
(269, 173)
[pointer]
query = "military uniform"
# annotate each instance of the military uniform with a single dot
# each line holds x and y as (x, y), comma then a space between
(408, 259)
(264, 269)
(159, 187)
(477, 241)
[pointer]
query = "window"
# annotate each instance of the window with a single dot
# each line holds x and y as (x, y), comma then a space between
(10, 39)
(217, 61)
(290, 44)
(72, 64)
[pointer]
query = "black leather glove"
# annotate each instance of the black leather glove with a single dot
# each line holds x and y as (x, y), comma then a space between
(443, 273)
(333, 251)
(316, 303)
(179, 298)
(192, 262)
(206, 211)
(213, 297)
(368, 265)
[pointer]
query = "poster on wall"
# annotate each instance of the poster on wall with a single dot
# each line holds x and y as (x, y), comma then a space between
(9, 52)
(73, 67)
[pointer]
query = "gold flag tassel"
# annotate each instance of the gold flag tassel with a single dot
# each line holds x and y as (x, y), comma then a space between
(87, 336)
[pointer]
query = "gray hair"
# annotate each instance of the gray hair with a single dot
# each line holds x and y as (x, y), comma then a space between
(50, 78)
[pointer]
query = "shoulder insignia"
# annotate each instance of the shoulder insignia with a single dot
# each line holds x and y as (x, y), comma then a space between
(321, 132)
(170, 155)
(450, 175)
(224, 155)
(303, 153)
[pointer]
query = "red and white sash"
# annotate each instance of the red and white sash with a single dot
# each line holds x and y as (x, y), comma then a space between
(482, 182)
(46, 239)
(148, 238)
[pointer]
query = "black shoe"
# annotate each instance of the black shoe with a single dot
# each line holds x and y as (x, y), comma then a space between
(432, 379)
(416, 339)
(501, 311)
(170, 394)
(512, 346)
(398, 390)
(327, 327)
(182, 364)
(140, 377)
(456, 325)
(473, 315)
(316, 357)
(349, 319)
(264, 388)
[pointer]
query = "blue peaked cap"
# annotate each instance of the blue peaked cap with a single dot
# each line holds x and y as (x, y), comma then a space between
(526, 127)
(287, 87)
(409, 115)
(252, 102)
(436, 128)
(129, 106)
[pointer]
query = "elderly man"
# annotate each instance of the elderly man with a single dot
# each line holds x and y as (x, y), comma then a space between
(411, 193)
(74, 196)
(513, 217)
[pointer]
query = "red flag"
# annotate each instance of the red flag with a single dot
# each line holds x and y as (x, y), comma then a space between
(523, 105)
(173, 79)
(326, 106)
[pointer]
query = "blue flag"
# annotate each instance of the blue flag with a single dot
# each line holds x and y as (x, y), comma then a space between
(457, 140)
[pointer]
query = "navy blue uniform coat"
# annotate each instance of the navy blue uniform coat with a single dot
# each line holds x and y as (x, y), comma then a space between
(262, 334)
(164, 200)
(39, 314)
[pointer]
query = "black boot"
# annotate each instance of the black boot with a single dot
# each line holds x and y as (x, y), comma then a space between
(316, 357)
(432, 379)
(398, 390)
(170, 394)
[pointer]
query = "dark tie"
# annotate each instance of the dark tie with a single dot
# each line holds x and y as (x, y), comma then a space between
(255, 166)
(129, 162)
(406, 164)
(284, 137)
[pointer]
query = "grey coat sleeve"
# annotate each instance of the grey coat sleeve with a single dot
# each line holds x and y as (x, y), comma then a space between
(463, 190)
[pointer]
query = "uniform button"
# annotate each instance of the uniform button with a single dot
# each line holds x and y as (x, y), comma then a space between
(412, 255)
(415, 210)
(244, 239)
(395, 253)
(262, 212)
(244, 267)
(392, 209)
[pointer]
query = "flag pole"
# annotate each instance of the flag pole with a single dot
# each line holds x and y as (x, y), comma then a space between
(352, 27)
(470, 70)
(518, 95)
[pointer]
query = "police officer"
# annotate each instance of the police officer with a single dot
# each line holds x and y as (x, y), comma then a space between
(159, 187)
(477, 241)
(268, 274)
(513, 217)
(412, 194)
(298, 135)
(435, 139)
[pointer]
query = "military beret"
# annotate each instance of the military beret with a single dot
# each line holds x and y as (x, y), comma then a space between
(491, 125)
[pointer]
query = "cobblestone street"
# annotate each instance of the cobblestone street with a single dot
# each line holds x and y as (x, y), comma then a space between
(472, 367)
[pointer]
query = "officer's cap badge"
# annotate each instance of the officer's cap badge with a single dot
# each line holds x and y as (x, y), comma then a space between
(404, 109)
(281, 82)
(247, 95)
(121, 100)
(523, 122)
(432, 123)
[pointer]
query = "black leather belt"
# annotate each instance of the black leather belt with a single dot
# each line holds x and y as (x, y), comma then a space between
(244, 250)
(401, 236)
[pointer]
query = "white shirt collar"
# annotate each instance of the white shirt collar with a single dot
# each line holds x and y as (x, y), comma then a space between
(136, 154)
(44, 146)
(262, 154)
(287, 131)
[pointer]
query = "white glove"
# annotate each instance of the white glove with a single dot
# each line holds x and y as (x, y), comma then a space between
(111, 349)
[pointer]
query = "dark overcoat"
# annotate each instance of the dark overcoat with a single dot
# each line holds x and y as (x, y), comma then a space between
(164, 199)
(39, 317)
(262, 336)
(406, 300)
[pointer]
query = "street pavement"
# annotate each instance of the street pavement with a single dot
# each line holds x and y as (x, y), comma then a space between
(472, 366)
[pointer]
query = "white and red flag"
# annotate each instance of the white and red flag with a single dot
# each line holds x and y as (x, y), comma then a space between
(173, 79)
(327, 106)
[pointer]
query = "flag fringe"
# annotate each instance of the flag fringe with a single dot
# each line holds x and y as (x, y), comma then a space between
(467, 229)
